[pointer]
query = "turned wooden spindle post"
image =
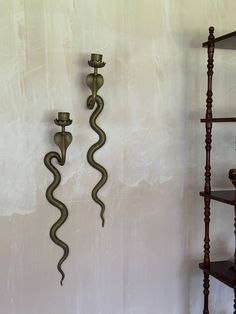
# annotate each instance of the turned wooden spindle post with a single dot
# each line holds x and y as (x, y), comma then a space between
(232, 177)
(235, 254)
(207, 187)
(234, 301)
(235, 239)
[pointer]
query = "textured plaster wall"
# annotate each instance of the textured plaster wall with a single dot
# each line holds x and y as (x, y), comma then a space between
(145, 259)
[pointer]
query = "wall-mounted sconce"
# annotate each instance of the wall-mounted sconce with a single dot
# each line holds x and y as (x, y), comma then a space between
(62, 139)
(94, 82)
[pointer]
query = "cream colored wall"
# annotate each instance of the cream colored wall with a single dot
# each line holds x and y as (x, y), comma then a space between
(145, 260)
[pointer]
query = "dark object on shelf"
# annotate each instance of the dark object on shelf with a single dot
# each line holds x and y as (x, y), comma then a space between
(62, 139)
(232, 176)
(95, 82)
(221, 270)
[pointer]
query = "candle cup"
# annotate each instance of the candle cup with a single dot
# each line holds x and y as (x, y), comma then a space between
(63, 119)
(95, 57)
(63, 116)
(96, 61)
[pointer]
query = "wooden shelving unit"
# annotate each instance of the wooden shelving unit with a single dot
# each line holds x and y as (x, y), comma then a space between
(224, 271)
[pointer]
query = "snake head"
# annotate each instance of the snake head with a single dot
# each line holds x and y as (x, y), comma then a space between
(94, 82)
(63, 140)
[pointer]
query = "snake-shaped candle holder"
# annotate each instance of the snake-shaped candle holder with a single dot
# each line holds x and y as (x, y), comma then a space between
(94, 82)
(62, 139)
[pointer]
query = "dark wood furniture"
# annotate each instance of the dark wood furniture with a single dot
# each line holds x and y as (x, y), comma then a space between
(221, 270)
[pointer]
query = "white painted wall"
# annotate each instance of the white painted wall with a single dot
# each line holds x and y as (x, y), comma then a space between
(145, 260)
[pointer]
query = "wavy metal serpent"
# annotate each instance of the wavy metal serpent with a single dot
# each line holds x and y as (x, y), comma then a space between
(94, 82)
(62, 140)
(55, 202)
(94, 148)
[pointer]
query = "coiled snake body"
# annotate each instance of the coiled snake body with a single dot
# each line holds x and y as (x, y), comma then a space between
(102, 139)
(55, 202)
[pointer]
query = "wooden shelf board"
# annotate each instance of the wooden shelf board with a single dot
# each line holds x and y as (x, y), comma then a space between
(225, 196)
(227, 41)
(230, 119)
(223, 271)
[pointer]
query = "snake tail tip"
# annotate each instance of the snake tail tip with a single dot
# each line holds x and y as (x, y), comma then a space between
(62, 279)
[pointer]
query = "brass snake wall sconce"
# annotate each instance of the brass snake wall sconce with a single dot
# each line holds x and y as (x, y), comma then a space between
(62, 139)
(95, 82)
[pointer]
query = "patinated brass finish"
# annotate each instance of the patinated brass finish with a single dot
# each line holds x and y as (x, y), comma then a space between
(95, 82)
(62, 139)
